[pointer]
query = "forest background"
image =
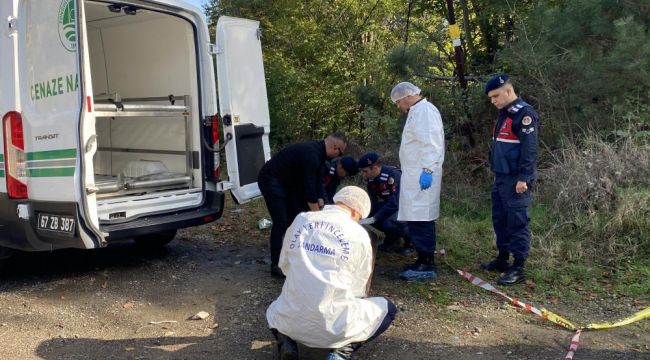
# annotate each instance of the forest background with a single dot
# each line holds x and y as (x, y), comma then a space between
(583, 64)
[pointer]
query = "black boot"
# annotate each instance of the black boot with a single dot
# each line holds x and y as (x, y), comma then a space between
(422, 259)
(407, 247)
(515, 275)
(277, 272)
(388, 245)
(496, 265)
(287, 348)
(500, 264)
(344, 352)
(424, 269)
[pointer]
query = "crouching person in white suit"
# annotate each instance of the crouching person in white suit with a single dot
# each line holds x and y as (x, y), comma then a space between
(328, 261)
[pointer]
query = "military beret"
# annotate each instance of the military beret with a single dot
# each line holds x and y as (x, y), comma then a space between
(349, 165)
(496, 82)
(368, 159)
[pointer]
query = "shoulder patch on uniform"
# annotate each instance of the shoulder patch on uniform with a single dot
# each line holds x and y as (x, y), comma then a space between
(527, 120)
(528, 130)
(515, 108)
(391, 180)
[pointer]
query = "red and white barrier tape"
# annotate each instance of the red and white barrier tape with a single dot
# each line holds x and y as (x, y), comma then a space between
(575, 342)
(487, 286)
(550, 316)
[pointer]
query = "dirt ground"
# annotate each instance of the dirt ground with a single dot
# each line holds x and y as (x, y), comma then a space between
(121, 303)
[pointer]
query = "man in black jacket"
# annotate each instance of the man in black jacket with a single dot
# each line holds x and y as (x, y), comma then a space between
(291, 182)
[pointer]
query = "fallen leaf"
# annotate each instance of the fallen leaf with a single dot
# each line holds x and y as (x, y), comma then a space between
(531, 284)
(257, 344)
(128, 305)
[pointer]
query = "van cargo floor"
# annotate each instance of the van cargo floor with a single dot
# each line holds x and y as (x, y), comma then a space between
(111, 186)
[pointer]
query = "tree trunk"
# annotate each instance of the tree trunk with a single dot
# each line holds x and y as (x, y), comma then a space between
(469, 41)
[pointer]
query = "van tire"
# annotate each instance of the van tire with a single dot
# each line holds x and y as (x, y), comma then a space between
(155, 240)
(5, 256)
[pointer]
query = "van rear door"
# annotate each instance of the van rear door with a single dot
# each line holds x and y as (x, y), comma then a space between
(243, 103)
(53, 99)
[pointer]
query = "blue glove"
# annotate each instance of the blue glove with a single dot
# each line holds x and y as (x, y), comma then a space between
(425, 180)
(367, 221)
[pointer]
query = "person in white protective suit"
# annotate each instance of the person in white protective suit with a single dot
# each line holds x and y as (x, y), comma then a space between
(421, 155)
(328, 261)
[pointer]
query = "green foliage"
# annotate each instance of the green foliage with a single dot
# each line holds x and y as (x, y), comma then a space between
(401, 60)
(585, 63)
(330, 65)
(322, 61)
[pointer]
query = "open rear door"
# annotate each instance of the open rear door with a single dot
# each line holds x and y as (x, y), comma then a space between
(54, 97)
(243, 103)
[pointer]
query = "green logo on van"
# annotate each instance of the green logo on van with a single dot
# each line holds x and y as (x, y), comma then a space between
(68, 25)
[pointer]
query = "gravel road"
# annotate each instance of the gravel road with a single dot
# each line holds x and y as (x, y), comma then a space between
(123, 303)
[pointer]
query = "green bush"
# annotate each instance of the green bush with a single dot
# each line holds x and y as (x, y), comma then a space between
(592, 203)
(585, 64)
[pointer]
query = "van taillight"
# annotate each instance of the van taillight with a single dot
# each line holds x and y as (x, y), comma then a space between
(14, 145)
(215, 145)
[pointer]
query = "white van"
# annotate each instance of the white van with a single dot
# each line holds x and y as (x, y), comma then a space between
(110, 125)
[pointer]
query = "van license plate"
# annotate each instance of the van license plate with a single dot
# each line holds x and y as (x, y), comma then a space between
(57, 223)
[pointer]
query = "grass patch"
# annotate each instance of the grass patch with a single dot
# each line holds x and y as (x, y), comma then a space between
(598, 255)
(433, 292)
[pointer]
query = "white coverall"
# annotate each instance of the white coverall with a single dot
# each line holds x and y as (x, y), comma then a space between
(327, 259)
(423, 146)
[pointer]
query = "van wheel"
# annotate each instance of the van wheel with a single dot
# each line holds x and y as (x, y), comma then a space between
(5, 255)
(155, 240)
